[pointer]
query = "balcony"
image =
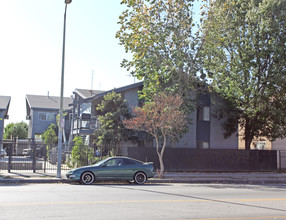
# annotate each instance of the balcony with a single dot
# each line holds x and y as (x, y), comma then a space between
(85, 125)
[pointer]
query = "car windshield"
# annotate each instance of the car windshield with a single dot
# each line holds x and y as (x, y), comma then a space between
(100, 162)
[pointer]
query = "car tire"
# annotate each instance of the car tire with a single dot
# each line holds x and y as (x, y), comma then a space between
(87, 178)
(140, 178)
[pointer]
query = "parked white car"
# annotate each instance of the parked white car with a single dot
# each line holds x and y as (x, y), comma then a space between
(2, 153)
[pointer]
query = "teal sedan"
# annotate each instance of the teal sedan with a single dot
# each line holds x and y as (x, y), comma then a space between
(113, 168)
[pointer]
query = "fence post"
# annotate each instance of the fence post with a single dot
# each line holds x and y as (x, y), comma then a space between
(279, 160)
(34, 155)
(45, 157)
(9, 158)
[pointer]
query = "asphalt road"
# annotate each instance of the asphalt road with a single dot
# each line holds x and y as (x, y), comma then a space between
(150, 201)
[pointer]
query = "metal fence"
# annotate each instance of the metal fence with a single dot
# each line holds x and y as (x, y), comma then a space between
(38, 157)
(35, 156)
(32, 157)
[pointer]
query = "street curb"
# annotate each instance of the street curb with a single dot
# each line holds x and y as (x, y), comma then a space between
(27, 181)
(210, 181)
(151, 181)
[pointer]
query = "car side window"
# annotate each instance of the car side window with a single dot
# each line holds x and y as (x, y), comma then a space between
(110, 163)
(119, 162)
(128, 162)
(114, 162)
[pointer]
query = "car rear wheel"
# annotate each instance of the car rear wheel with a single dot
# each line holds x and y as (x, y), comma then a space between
(87, 178)
(140, 178)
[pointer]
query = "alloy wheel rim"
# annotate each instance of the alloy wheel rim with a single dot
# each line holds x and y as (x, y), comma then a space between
(140, 178)
(87, 178)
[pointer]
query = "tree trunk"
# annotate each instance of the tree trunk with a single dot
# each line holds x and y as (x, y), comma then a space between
(161, 171)
(160, 155)
(247, 135)
(247, 143)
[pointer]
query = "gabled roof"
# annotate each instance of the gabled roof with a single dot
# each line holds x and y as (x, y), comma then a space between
(47, 102)
(87, 93)
(4, 102)
(121, 89)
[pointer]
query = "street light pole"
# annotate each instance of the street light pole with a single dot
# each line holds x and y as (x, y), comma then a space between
(61, 120)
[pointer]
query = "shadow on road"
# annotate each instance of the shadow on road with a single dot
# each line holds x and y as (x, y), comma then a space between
(145, 189)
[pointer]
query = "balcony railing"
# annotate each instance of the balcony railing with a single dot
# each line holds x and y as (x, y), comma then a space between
(86, 124)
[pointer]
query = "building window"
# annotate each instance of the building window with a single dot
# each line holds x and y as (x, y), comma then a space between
(38, 137)
(47, 116)
(204, 113)
(203, 145)
(260, 145)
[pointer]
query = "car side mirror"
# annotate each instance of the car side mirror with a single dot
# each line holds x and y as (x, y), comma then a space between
(103, 165)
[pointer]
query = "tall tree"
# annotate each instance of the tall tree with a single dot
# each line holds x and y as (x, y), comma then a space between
(162, 118)
(159, 35)
(113, 109)
(16, 130)
(243, 44)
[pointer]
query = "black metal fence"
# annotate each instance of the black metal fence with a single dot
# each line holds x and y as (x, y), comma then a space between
(31, 157)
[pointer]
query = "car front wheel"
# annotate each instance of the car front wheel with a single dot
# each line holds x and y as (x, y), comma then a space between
(87, 178)
(140, 178)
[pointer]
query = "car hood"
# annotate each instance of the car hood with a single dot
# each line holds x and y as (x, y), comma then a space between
(82, 168)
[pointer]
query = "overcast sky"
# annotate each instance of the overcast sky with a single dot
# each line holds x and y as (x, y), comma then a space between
(31, 49)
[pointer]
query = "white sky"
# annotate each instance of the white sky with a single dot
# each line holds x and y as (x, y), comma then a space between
(31, 49)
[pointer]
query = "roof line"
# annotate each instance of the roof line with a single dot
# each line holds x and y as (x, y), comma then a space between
(120, 89)
(7, 104)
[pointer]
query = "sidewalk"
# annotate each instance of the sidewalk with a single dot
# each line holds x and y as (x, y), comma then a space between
(173, 177)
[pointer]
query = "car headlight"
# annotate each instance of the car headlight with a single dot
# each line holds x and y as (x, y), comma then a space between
(70, 172)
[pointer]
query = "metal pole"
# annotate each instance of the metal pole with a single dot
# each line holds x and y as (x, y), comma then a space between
(61, 122)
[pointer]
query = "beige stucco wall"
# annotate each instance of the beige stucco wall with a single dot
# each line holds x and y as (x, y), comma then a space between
(241, 142)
